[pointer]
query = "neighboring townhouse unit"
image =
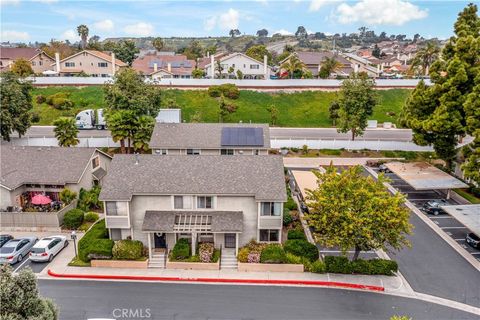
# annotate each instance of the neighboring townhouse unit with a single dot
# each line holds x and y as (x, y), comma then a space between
(39, 59)
(360, 64)
(250, 68)
(158, 65)
(28, 171)
(313, 62)
(210, 139)
(92, 62)
(224, 200)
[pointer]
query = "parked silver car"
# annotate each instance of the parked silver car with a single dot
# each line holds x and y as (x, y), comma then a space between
(15, 250)
(47, 248)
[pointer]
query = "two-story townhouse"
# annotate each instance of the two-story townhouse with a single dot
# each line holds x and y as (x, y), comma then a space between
(249, 67)
(157, 65)
(313, 62)
(223, 200)
(92, 62)
(28, 171)
(39, 60)
(210, 139)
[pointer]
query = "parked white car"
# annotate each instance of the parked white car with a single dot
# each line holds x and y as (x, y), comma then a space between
(47, 248)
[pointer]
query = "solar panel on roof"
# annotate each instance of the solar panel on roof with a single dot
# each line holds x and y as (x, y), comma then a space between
(232, 136)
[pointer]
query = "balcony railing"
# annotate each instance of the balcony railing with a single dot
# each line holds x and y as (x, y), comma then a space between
(269, 222)
(115, 222)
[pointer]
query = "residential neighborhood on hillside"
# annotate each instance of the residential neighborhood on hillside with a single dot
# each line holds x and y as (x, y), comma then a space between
(239, 160)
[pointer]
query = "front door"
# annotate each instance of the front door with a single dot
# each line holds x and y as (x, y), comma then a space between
(230, 240)
(159, 240)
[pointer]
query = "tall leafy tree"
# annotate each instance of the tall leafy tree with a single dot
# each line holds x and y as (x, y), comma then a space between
(143, 132)
(273, 110)
(425, 57)
(262, 33)
(82, 31)
(16, 105)
(328, 66)
(124, 50)
(22, 68)
(301, 33)
(356, 101)
(66, 132)
(194, 50)
(471, 166)
(158, 43)
(293, 66)
(258, 52)
(234, 32)
(20, 297)
(438, 114)
(333, 110)
(226, 108)
(349, 210)
(376, 52)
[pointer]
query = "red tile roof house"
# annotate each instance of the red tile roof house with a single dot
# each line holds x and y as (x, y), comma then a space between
(39, 59)
(164, 66)
(313, 62)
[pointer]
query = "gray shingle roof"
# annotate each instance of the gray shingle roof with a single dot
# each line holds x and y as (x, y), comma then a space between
(222, 221)
(259, 176)
(35, 165)
(197, 135)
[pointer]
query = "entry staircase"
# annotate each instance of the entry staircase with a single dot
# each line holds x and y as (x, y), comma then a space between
(158, 259)
(228, 260)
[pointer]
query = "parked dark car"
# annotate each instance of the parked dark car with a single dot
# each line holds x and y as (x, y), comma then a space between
(434, 207)
(4, 238)
(303, 207)
(473, 240)
(383, 168)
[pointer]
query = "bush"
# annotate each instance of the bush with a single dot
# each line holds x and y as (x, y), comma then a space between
(302, 248)
(243, 254)
(181, 250)
(40, 99)
(253, 257)
(73, 219)
(273, 253)
(35, 117)
(293, 259)
(372, 267)
(88, 200)
(287, 217)
(58, 95)
(296, 234)
(214, 91)
(228, 90)
(95, 243)
(290, 204)
(205, 252)
(317, 267)
(127, 250)
(90, 217)
(67, 195)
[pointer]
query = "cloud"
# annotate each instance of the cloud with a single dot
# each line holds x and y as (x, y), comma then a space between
(14, 36)
(283, 32)
(70, 35)
(8, 2)
(46, 1)
(379, 12)
(315, 5)
(104, 25)
(225, 21)
(141, 29)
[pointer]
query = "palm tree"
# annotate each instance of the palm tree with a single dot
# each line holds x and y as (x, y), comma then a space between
(122, 124)
(328, 66)
(293, 64)
(66, 132)
(83, 33)
(143, 133)
(426, 56)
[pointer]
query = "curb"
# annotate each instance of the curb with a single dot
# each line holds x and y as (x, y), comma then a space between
(221, 280)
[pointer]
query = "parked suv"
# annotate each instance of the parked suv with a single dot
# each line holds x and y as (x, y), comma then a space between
(47, 248)
(434, 207)
(4, 238)
(15, 250)
(473, 240)
(383, 168)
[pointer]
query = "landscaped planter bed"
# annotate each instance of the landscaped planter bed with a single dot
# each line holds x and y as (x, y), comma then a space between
(130, 264)
(272, 267)
(193, 265)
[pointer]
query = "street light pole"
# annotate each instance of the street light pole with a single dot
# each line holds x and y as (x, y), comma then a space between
(74, 238)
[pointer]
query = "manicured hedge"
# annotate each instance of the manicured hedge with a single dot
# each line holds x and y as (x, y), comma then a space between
(91, 217)
(302, 248)
(127, 250)
(95, 243)
(73, 219)
(296, 234)
(273, 253)
(372, 267)
(181, 250)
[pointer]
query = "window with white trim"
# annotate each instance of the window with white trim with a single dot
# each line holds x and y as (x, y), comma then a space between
(193, 151)
(102, 64)
(226, 152)
(254, 66)
(95, 162)
(161, 151)
(69, 64)
(270, 208)
(268, 235)
(182, 202)
(204, 202)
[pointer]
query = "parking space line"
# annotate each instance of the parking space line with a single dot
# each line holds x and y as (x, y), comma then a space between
(444, 217)
(474, 253)
(452, 227)
(21, 264)
(459, 239)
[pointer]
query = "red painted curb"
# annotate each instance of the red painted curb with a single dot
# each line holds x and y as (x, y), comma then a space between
(217, 280)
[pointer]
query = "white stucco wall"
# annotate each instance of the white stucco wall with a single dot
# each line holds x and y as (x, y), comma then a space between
(242, 63)
(5, 199)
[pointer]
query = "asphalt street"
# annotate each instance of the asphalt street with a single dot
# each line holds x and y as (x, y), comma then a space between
(275, 133)
(79, 300)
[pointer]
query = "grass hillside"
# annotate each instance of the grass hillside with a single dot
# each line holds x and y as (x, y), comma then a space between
(302, 109)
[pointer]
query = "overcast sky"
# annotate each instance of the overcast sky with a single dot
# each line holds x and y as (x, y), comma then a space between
(42, 20)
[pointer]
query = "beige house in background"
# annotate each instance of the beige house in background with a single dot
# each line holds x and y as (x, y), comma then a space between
(38, 58)
(92, 62)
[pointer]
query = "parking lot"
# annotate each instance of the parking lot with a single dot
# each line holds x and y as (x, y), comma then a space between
(447, 223)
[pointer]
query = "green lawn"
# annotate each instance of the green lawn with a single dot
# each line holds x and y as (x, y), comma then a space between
(301, 109)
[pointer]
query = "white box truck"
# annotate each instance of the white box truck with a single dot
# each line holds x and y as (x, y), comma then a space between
(91, 119)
